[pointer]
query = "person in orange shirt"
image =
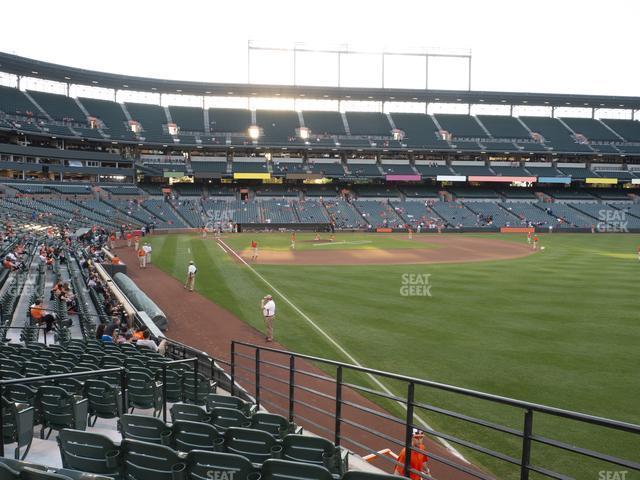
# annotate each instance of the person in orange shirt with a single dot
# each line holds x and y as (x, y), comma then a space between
(37, 314)
(418, 461)
(138, 334)
(115, 260)
(535, 242)
(293, 240)
(112, 241)
(142, 258)
(129, 237)
(529, 237)
(254, 247)
(136, 242)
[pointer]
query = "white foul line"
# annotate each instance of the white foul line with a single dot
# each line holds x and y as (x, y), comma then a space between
(341, 349)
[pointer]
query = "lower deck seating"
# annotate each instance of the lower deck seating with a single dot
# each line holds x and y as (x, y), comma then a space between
(343, 215)
(379, 214)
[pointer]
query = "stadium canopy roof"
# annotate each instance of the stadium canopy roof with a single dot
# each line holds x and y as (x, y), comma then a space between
(27, 67)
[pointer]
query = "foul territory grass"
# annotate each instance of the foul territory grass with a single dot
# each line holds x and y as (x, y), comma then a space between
(559, 328)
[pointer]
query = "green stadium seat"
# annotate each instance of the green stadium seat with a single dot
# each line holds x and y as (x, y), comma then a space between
(274, 424)
(205, 387)
(147, 461)
(143, 391)
(145, 429)
(35, 369)
(201, 463)
(316, 450)
(174, 385)
(274, 469)
(105, 400)
(19, 465)
(89, 452)
(192, 413)
(17, 423)
(214, 400)
(28, 473)
(133, 362)
(6, 473)
(256, 445)
(223, 418)
(21, 394)
(60, 409)
(71, 385)
(9, 374)
(189, 436)
(76, 475)
(69, 356)
(56, 369)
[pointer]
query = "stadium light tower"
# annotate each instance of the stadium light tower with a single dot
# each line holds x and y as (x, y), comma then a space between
(347, 52)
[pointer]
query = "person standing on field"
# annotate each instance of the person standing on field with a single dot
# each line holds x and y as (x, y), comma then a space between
(136, 242)
(142, 257)
(147, 250)
(268, 307)
(535, 242)
(129, 237)
(254, 248)
(191, 276)
(293, 240)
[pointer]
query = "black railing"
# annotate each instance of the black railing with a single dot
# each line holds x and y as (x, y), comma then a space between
(277, 379)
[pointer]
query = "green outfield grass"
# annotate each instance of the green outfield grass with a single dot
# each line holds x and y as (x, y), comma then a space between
(306, 241)
(560, 327)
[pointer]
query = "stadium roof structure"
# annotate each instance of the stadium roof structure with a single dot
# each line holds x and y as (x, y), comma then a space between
(27, 67)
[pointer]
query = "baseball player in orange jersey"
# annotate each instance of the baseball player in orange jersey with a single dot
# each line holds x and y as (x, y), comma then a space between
(254, 248)
(529, 237)
(535, 242)
(293, 240)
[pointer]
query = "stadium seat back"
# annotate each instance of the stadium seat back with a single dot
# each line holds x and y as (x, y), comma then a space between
(145, 429)
(146, 461)
(189, 436)
(274, 469)
(256, 445)
(89, 452)
(201, 463)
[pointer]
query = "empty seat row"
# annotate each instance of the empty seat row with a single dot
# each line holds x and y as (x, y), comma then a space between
(248, 450)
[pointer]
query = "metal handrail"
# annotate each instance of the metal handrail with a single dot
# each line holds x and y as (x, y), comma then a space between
(605, 422)
(525, 434)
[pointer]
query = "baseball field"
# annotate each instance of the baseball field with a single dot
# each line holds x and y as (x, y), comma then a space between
(559, 326)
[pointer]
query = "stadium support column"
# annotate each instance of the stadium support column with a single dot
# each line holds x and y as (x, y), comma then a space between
(68, 88)
(593, 113)
(18, 78)
(553, 112)
(633, 114)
